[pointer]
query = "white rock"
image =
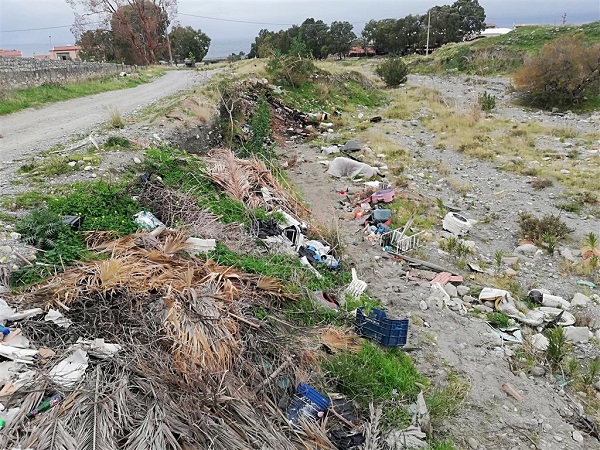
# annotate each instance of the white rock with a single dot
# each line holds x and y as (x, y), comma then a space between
(577, 436)
(87, 168)
(510, 272)
(451, 290)
(526, 249)
(580, 300)
(577, 334)
(423, 305)
(463, 290)
(539, 341)
(137, 160)
(72, 163)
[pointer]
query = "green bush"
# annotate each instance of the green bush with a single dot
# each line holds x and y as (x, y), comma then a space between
(290, 70)
(392, 71)
(487, 102)
(41, 229)
(259, 143)
(539, 229)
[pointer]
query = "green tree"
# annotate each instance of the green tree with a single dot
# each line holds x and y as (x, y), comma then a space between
(315, 33)
(341, 37)
(97, 45)
(186, 40)
(472, 17)
(139, 31)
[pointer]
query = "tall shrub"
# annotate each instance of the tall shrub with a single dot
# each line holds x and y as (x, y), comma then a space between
(562, 74)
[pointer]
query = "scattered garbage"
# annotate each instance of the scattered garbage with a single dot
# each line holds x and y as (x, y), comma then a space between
(375, 119)
(544, 298)
(326, 300)
(346, 167)
(307, 404)
(586, 283)
(196, 246)
(147, 220)
(68, 372)
(377, 326)
(456, 224)
(57, 318)
(356, 287)
(330, 149)
(45, 406)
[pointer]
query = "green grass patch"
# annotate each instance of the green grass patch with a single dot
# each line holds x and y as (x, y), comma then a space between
(444, 401)
(117, 142)
(184, 172)
(16, 100)
(26, 200)
(374, 374)
(56, 165)
(334, 93)
(103, 206)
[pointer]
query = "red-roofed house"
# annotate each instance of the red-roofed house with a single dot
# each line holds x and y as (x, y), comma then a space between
(65, 52)
(10, 52)
(360, 51)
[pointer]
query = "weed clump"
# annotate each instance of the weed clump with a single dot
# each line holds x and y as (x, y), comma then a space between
(117, 141)
(541, 229)
(487, 102)
(259, 143)
(393, 72)
(41, 228)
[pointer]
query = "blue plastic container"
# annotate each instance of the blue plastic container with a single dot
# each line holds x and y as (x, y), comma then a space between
(380, 328)
(307, 404)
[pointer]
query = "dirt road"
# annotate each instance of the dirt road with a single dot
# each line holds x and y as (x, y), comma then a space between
(30, 131)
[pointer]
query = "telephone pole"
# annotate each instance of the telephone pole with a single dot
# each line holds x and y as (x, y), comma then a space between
(428, 26)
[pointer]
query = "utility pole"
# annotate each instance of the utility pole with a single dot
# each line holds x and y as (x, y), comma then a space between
(428, 26)
(564, 17)
(170, 52)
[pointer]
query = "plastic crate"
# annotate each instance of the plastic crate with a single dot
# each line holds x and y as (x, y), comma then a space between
(380, 328)
(307, 403)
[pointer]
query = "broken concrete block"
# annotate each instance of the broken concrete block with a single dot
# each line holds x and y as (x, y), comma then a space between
(577, 334)
(580, 300)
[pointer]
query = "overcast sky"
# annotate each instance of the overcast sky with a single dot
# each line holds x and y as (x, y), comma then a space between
(230, 36)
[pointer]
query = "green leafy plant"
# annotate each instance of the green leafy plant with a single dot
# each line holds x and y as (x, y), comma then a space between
(498, 319)
(41, 228)
(498, 257)
(593, 370)
(487, 102)
(392, 71)
(117, 141)
(550, 240)
(557, 346)
(291, 70)
(259, 143)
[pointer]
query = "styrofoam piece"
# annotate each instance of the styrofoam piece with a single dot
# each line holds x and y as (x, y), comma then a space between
(456, 224)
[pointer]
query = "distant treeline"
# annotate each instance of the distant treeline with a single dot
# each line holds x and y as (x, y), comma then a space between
(403, 36)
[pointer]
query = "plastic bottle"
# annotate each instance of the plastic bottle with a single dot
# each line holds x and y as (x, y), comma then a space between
(2, 423)
(5, 331)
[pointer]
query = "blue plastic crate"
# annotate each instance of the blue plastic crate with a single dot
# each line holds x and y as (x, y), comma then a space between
(307, 403)
(380, 328)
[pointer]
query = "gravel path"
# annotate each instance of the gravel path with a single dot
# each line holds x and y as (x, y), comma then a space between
(28, 132)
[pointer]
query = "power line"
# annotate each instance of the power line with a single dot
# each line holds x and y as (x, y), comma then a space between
(36, 29)
(220, 19)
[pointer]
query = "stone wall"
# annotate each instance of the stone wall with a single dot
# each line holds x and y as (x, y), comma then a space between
(24, 72)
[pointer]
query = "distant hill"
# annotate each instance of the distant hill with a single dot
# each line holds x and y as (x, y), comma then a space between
(500, 54)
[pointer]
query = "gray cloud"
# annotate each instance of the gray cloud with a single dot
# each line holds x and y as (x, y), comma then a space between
(231, 36)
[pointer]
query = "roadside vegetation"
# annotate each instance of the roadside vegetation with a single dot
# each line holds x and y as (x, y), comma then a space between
(32, 97)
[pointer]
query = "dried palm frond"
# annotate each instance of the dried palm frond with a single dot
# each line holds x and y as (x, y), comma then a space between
(336, 339)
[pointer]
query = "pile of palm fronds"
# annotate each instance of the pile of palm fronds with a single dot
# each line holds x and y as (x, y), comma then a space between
(194, 371)
(251, 182)
(179, 210)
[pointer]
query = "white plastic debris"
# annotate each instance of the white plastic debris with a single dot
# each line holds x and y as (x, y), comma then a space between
(57, 318)
(9, 314)
(70, 370)
(356, 287)
(99, 348)
(196, 245)
(22, 355)
(456, 224)
(346, 167)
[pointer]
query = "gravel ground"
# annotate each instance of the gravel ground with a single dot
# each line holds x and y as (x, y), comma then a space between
(446, 340)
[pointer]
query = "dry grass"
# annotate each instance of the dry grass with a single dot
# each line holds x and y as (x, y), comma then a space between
(201, 109)
(115, 119)
(462, 187)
